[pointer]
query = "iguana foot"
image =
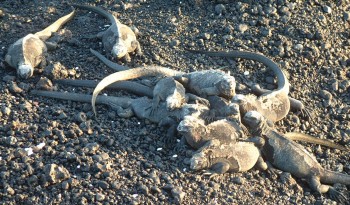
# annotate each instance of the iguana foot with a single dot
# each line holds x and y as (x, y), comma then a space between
(337, 196)
(307, 113)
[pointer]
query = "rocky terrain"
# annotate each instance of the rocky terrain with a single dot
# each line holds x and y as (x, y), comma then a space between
(57, 152)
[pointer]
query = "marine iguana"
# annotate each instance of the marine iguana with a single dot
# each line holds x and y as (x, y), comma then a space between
(273, 105)
(201, 83)
(293, 158)
(222, 158)
(118, 39)
(30, 51)
(197, 134)
(295, 105)
(141, 107)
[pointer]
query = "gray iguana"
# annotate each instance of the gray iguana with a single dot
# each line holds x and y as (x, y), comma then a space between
(30, 51)
(273, 105)
(118, 39)
(140, 107)
(201, 83)
(222, 158)
(293, 158)
(197, 134)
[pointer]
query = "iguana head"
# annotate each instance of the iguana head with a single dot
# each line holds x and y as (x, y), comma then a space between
(192, 129)
(119, 49)
(199, 161)
(227, 86)
(25, 71)
(174, 101)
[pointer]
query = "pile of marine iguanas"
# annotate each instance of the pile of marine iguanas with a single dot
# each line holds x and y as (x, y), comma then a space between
(231, 132)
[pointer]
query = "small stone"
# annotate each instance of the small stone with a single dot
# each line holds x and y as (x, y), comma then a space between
(346, 16)
(14, 87)
(103, 184)
(80, 117)
(44, 84)
(238, 180)
(55, 173)
(9, 190)
(6, 111)
(144, 189)
(327, 9)
(242, 28)
(100, 197)
(178, 194)
(2, 13)
(298, 47)
(8, 78)
(206, 36)
(326, 95)
(220, 9)
(174, 43)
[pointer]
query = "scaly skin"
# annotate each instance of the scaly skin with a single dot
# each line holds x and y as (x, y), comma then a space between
(118, 39)
(197, 134)
(202, 83)
(235, 157)
(293, 158)
(273, 105)
(141, 107)
(30, 51)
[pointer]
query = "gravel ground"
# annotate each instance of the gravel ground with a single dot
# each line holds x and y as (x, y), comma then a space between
(111, 160)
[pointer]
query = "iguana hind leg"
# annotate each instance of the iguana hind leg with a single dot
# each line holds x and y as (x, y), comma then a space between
(315, 184)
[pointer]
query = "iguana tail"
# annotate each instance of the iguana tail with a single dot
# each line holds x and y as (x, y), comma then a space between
(106, 100)
(330, 177)
(130, 74)
(308, 138)
(98, 10)
(283, 83)
(47, 32)
(110, 64)
(129, 86)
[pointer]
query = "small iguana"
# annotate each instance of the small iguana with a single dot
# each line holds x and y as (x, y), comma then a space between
(222, 158)
(30, 51)
(118, 39)
(293, 158)
(273, 105)
(201, 83)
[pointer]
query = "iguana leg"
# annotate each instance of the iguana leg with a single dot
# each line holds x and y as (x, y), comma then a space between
(127, 57)
(316, 185)
(137, 46)
(220, 168)
(195, 98)
(171, 132)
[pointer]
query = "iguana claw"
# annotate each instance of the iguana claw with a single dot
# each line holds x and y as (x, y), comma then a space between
(337, 196)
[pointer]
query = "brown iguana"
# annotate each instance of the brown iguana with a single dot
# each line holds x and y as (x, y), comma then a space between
(273, 105)
(201, 83)
(30, 51)
(293, 158)
(119, 39)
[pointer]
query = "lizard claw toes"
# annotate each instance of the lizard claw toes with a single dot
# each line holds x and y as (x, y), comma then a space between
(336, 195)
